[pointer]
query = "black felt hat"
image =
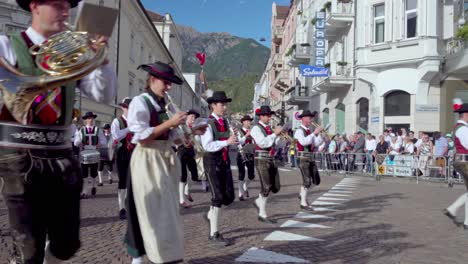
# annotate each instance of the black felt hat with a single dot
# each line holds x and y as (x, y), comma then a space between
(264, 110)
(246, 118)
(161, 70)
(106, 126)
(125, 102)
(218, 97)
(193, 112)
(25, 4)
(307, 113)
(89, 115)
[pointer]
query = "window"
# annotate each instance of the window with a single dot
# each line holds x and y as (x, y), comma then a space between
(363, 114)
(411, 17)
(465, 7)
(132, 47)
(325, 117)
(379, 23)
(397, 104)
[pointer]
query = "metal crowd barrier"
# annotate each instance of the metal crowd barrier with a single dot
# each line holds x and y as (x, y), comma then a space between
(344, 163)
(455, 177)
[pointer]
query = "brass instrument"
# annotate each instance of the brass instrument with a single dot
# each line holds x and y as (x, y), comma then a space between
(286, 137)
(239, 145)
(324, 129)
(65, 57)
(184, 134)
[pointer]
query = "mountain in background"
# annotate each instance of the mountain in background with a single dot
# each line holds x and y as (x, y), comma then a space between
(233, 64)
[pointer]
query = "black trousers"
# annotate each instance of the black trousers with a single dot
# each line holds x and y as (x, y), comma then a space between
(109, 163)
(249, 163)
(123, 166)
(42, 193)
(309, 171)
(267, 171)
(220, 179)
(89, 170)
(187, 160)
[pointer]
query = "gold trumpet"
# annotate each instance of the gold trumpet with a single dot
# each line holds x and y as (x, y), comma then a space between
(324, 129)
(65, 57)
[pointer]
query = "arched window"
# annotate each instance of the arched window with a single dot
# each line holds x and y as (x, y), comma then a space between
(397, 103)
(325, 117)
(340, 118)
(363, 113)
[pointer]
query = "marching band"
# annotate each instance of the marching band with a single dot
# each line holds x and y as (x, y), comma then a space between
(153, 146)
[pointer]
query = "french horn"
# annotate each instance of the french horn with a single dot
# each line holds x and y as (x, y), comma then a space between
(65, 57)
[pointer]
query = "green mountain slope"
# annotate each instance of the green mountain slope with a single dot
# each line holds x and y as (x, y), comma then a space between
(240, 89)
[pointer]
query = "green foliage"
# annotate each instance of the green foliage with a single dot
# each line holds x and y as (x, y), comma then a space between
(342, 63)
(462, 32)
(327, 65)
(240, 89)
(313, 21)
(327, 5)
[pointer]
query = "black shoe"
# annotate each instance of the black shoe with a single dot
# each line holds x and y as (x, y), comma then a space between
(266, 220)
(93, 191)
(307, 208)
(122, 214)
(219, 240)
(247, 194)
(452, 217)
(189, 197)
(83, 196)
(100, 184)
(110, 181)
(241, 198)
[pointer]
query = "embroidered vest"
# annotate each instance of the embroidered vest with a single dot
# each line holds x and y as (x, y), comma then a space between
(248, 140)
(216, 128)
(157, 117)
(25, 64)
(304, 148)
(94, 135)
(265, 133)
(458, 146)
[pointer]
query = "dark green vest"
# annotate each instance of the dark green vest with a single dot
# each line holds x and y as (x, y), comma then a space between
(218, 135)
(26, 65)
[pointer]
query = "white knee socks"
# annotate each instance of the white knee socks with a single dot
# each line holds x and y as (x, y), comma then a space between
(246, 184)
(261, 203)
(462, 200)
(122, 194)
(109, 175)
(187, 189)
(49, 258)
(86, 188)
(138, 260)
(100, 176)
(213, 216)
(181, 192)
(241, 188)
(303, 195)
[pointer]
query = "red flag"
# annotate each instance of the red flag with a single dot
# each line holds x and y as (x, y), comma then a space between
(201, 57)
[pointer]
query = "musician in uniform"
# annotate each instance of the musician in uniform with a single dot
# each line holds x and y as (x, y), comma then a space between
(267, 168)
(42, 197)
(305, 146)
(460, 164)
(122, 140)
(246, 159)
(186, 153)
(105, 159)
(215, 142)
(89, 138)
(154, 223)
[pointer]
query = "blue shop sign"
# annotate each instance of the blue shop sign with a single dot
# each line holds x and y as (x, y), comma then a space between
(312, 71)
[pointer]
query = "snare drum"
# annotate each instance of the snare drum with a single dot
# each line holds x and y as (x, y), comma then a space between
(305, 155)
(89, 156)
(262, 154)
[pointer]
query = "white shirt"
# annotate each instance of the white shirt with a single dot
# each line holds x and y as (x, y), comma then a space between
(409, 148)
(371, 144)
(99, 85)
(208, 143)
(388, 138)
(79, 137)
(117, 133)
(73, 132)
(260, 139)
(462, 134)
(241, 138)
(418, 143)
(309, 140)
(395, 148)
(139, 117)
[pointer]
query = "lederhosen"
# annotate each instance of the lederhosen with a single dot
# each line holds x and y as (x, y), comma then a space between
(105, 156)
(41, 182)
(90, 140)
(460, 163)
(187, 160)
(124, 154)
(249, 159)
(133, 236)
(218, 166)
(267, 168)
(309, 171)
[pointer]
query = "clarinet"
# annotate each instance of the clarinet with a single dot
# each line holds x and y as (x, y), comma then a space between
(239, 145)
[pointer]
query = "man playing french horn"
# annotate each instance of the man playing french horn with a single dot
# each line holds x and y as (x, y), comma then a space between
(305, 146)
(41, 177)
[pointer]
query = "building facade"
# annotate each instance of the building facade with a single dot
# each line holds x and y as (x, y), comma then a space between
(392, 63)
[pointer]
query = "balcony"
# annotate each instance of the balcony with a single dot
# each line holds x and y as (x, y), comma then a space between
(340, 77)
(456, 59)
(299, 95)
(281, 80)
(339, 18)
(278, 34)
(277, 60)
(301, 54)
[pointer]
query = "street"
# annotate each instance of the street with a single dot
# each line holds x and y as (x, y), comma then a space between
(359, 220)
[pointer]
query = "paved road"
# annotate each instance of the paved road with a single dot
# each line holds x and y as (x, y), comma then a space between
(391, 221)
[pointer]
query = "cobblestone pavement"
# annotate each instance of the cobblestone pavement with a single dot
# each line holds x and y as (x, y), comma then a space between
(391, 221)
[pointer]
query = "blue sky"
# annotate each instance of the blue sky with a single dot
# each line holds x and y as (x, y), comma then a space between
(244, 18)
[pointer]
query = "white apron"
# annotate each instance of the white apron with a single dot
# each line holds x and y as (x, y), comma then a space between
(155, 169)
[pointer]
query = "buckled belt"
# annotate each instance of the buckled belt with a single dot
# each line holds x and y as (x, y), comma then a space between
(304, 154)
(14, 135)
(262, 154)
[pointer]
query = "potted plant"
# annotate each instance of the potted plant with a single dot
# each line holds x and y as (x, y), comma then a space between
(327, 6)
(313, 21)
(342, 63)
(341, 69)
(462, 32)
(290, 51)
(327, 65)
(299, 12)
(344, 1)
